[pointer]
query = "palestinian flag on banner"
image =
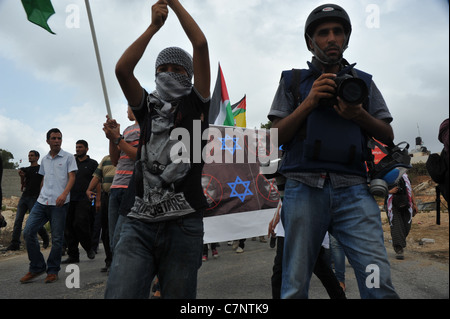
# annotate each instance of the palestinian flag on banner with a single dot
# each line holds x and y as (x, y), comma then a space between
(238, 110)
(38, 12)
(220, 109)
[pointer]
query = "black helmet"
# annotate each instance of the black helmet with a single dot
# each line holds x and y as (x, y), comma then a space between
(327, 12)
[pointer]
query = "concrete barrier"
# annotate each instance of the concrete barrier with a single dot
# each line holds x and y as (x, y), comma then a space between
(11, 183)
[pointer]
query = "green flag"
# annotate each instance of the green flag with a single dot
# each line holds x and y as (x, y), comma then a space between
(38, 12)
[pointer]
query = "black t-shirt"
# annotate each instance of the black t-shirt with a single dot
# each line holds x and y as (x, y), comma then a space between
(32, 181)
(84, 176)
(164, 189)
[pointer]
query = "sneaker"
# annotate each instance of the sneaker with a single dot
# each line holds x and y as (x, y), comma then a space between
(235, 244)
(400, 255)
(239, 250)
(204, 258)
(215, 253)
(51, 278)
(30, 276)
(262, 239)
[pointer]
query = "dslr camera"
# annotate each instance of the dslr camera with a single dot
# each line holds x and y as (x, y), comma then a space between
(350, 89)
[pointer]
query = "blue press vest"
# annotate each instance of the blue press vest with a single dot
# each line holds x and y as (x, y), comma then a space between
(331, 143)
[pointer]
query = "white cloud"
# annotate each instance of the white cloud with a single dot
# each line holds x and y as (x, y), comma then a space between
(53, 81)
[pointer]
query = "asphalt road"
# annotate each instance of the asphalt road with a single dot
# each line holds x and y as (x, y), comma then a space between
(232, 276)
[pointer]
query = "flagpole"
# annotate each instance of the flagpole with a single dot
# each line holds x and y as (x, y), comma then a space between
(99, 62)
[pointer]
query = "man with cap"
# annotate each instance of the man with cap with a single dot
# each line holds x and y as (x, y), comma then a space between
(324, 133)
(163, 235)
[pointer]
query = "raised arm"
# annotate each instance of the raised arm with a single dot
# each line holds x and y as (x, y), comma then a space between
(131, 87)
(202, 71)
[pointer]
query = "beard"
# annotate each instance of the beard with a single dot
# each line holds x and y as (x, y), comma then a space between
(333, 58)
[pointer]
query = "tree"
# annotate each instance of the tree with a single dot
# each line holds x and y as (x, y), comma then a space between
(267, 126)
(6, 157)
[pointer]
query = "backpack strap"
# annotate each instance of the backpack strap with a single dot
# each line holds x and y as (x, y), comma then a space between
(292, 81)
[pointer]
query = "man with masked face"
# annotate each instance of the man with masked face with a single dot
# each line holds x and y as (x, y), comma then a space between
(325, 143)
(163, 235)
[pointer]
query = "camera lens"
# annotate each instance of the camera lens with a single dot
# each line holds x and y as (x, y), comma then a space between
(378, 187)
(352, 90)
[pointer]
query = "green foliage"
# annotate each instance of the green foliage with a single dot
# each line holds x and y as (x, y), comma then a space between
(418, 169)
(6, 157)
(267, 126)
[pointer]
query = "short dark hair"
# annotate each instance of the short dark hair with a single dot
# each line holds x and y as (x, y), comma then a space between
(82, 142)
(53, 130)
(36, 153)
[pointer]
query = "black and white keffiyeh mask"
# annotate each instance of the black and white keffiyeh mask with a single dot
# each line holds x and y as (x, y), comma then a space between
(172, 86)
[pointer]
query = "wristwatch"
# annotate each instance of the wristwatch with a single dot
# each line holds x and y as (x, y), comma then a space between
(117, 140)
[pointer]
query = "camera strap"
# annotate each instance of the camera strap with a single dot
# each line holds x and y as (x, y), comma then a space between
(294, 87)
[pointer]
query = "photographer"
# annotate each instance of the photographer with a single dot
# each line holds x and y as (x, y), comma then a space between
(324, 134)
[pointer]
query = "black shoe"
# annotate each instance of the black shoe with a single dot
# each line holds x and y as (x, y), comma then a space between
(45, 244)
(104, 269)
(91, 254)
(71, 260)
(13, 247)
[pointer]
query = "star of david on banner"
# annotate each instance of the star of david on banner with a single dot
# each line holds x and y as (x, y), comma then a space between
(241, 200)
(234, 147)
(234, 192)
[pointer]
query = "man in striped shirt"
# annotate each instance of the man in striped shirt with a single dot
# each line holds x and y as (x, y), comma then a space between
(123, 150)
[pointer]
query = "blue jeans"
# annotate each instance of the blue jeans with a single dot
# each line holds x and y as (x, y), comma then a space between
(115, 199)
(338, 257)
(39, 216)
(26, 203)
(352, 216)
(172, 250)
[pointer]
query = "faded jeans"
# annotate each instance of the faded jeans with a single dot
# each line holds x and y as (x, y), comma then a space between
(39, 216)
(338, 257)
(26, 203)
(352, 216)
(171, 249)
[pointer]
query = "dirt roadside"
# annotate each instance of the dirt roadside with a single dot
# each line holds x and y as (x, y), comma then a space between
(426, 236)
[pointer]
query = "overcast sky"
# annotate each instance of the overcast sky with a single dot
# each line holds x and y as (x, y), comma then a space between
(51, 81)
